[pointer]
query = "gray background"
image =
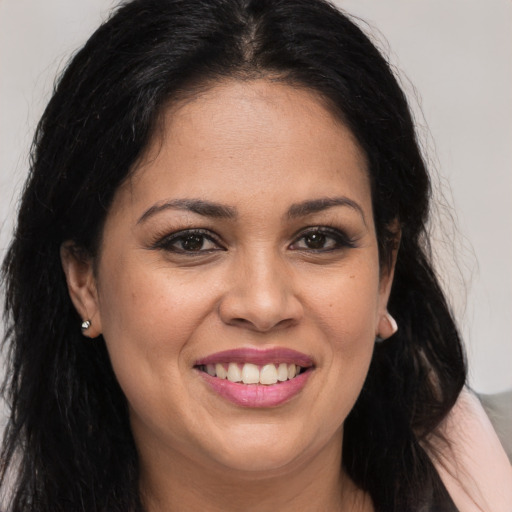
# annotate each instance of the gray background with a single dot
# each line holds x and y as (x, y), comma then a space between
(458, 55)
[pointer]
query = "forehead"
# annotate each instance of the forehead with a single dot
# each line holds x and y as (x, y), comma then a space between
(247, 139)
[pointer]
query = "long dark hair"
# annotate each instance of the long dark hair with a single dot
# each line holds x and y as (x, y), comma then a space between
(68, 444)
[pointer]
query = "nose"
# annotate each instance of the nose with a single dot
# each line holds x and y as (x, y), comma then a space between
(261, 295)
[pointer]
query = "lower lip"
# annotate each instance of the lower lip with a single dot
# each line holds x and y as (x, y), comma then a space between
(257, 395)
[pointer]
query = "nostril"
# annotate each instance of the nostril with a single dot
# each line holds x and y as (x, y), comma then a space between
(286, 322)
(239, 321)
(247, 324)
(261, 326)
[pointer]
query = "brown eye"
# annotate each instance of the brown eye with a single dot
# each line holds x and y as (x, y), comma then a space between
(322, 239)
(192, 242)
(315, 240)
(189, 242)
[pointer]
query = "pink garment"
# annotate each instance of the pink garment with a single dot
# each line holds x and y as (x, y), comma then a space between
(475, 468)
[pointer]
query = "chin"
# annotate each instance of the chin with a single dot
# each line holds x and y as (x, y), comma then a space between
(259, 462)
(261, 449)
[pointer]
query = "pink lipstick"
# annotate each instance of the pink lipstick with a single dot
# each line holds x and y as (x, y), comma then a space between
(258, 356)
(256, 378)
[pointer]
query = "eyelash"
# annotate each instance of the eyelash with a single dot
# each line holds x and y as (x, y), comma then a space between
(167, 242)
(341, 239)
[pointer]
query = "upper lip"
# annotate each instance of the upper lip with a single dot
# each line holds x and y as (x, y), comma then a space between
(258, 356)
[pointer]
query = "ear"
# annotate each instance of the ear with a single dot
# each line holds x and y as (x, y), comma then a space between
(79, 271)
(386, 324)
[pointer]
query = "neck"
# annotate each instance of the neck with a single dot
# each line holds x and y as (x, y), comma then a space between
(171, 482)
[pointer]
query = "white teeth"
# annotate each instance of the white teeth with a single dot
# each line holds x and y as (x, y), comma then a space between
(282, 372)
(234, 373)
(220, 371)
(250, 374)
(268, 374)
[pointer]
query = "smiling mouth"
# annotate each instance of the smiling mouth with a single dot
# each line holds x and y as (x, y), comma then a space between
(249, 373)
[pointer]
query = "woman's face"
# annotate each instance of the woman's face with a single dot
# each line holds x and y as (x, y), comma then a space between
(245, 236)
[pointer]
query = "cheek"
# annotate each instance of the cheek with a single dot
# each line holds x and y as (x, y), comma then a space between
(148, 320)
(144, 304)
(346, 312)
(148, 323)
(347, 304)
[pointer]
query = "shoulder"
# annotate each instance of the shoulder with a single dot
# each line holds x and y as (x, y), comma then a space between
(472, 463)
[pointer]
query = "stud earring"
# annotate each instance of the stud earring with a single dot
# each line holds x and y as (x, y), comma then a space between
(386, 331)
(392, 323)
(85, 325)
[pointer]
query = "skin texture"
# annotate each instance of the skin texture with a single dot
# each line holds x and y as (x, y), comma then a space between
(257, 148)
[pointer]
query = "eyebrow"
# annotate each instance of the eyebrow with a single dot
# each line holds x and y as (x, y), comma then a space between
(317, 205)
(204, 208)
(222, 211)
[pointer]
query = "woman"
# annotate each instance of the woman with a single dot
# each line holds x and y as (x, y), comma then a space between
(228, 199)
